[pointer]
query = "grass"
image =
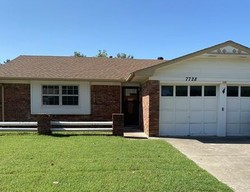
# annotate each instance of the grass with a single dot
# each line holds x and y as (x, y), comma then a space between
(29, 162)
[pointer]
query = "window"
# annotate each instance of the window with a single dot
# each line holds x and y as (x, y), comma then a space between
(70, 95)
(245, 91)
(50, 95)
(181, 91)
(60, 95)
(167, 91)
(195, 91)
(232, 91)
(209, 91)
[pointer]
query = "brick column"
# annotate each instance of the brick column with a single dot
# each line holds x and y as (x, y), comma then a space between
(150, 107)
(44, 125)
(118, 124)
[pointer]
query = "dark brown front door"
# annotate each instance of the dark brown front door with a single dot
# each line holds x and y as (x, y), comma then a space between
(130, 105)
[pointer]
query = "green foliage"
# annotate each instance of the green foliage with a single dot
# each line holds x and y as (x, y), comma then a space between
(124, 56)
(80, 162)
(79, 54)
(102, 53)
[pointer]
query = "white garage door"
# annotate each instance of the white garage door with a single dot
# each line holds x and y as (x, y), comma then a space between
(238, 110)
(188, 110)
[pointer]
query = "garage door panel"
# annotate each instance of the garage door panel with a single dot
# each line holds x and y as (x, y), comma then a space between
(233, 129)
(167, 129)
(210, 116)
(233, 104)
(245, 104)
(238, 114)
(184, 115)
(210, 129)
(167, 116)
(210, 104)
(181, 117)
(167, 103)
(233, 117)
(182, 129)
(196, 104)
(245, 117)
(245, 129)
(181, 104)
(196, 129)
(196, 116)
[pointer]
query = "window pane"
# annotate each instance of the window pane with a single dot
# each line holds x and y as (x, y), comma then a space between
(232, 91)
(181, 90)
(245, 92)
(70, 90)
(50, 100)
(70, 100)
(195, 91)
(210, 91)
(50, 90)
(75, 90)
(167, 91)
(56, 89)
(45, 89)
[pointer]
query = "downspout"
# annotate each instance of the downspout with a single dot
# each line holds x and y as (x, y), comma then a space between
(2, 101)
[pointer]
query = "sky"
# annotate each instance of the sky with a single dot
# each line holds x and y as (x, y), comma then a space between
(145, 29)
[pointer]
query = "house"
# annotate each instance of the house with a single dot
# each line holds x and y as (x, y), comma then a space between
(203, 93)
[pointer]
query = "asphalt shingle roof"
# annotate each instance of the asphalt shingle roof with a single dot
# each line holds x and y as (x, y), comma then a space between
(72, 68)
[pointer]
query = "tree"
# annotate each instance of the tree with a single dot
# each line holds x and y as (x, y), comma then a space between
(102, 53)
(79, 54)
(124, 56)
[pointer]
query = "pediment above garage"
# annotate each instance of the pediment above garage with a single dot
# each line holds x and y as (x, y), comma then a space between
(226, 58)
(228, 50)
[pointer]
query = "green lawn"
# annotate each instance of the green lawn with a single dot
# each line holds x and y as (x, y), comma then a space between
(29, 162)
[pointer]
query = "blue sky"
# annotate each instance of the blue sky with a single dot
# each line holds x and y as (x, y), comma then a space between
(142, 28)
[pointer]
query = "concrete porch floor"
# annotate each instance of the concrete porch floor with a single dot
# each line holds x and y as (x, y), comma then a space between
(134, 133)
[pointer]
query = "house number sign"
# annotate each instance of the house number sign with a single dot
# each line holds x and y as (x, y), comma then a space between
(191, 78)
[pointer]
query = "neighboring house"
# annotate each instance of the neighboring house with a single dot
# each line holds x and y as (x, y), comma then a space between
(203, 93)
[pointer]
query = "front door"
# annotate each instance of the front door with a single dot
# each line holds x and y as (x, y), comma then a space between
(130, 105)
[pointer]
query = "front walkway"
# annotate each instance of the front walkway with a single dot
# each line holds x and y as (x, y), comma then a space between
(228, 159)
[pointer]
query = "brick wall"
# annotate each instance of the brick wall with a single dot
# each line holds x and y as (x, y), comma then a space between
(105, 100)
(150, 108)
(17, 102)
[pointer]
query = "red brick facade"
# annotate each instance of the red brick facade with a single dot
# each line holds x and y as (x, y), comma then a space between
(105, 100)
(16, 102)
(150, 108)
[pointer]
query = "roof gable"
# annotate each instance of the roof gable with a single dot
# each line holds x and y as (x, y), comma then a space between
(227, 48)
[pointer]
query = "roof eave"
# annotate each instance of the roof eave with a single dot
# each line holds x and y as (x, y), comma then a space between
(61, 79)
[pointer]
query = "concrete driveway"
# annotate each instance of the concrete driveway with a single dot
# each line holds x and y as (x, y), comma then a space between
(228, 159)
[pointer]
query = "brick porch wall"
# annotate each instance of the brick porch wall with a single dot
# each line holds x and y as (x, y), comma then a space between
(105, 100)
(150, 108)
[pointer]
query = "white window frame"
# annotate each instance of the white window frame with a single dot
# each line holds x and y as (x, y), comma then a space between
(60, 95)
(84, 101)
